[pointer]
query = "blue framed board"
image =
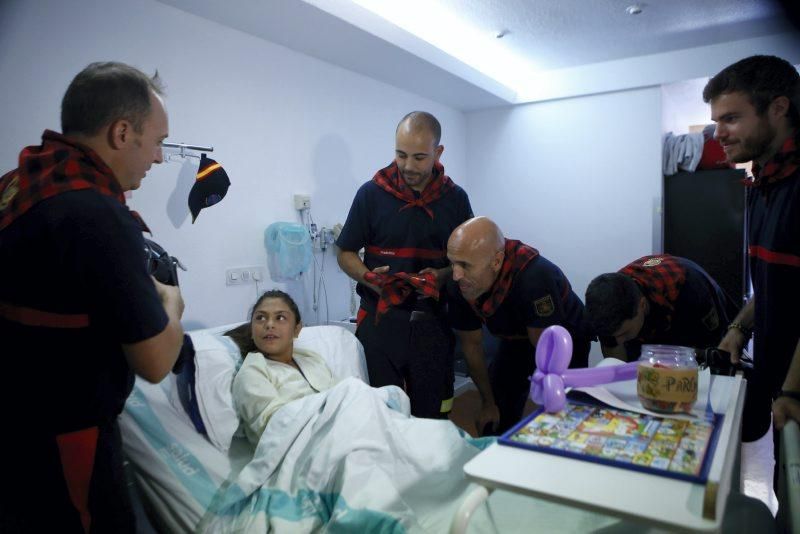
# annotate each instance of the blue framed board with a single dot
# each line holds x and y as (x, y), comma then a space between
(660, 445)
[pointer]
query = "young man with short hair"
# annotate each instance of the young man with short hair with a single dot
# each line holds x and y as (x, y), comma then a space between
(756, 105)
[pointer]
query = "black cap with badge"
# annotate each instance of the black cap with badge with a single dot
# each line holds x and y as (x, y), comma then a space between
(210, 186)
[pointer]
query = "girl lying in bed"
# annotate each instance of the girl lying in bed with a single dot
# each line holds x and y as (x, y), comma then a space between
(274, 372)
(338, 455)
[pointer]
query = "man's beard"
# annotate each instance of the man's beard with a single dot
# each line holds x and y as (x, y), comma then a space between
(415, 178)
(756, 145)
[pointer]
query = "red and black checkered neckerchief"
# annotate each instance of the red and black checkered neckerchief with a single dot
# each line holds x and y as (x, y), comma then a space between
(396, 288)
(660, 278)
(389, 180)
(56, 166)
(517, 256)
(782, 164)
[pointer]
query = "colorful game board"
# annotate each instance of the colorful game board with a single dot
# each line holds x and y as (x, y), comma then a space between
(661, 445)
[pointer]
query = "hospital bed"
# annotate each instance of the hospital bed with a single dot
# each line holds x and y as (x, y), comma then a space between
(789, 479)
(177, 471)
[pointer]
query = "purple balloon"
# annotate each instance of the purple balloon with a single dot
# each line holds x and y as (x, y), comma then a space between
(554, 349)
(554, 395)
(552, 376)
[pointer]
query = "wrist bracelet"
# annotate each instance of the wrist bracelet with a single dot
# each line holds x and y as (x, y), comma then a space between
(791, 394)
(741, 328)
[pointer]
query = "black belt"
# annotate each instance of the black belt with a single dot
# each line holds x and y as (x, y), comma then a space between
(419, 315)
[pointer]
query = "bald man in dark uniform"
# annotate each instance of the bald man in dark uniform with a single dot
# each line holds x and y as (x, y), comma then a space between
(517, 293)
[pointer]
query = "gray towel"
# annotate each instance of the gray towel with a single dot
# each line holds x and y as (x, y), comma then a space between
(682, 152)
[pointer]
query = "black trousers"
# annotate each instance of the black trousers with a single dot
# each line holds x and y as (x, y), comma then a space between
(414, 351)
(35, 496)
(510, 371)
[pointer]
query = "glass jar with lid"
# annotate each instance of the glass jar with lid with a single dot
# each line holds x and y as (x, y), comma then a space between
(667, 378)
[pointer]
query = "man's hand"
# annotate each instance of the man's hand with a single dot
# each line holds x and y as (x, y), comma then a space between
(377, 270)
(435, 275)
(784, 409)
(170, 297)
(488, 415)
(733, 342)
(440, 274)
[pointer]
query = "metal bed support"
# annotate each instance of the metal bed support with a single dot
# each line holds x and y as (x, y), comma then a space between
(789, 479)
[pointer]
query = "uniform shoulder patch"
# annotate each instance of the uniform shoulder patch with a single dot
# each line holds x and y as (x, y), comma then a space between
(711, 320)
(652, 262)
(9, 192)
(544, 306)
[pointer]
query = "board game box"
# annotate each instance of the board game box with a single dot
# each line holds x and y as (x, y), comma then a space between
(679, 448)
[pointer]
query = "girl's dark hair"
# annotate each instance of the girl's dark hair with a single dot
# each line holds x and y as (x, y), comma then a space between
(243, 334)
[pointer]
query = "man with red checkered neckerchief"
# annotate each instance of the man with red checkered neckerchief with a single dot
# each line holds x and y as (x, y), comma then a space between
(657, 299)
(402, 218)
(756, 105)
(515, 292)
(79, 313)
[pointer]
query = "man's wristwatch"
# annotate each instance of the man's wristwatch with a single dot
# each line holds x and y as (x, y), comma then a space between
(791, 394)
(741, 328)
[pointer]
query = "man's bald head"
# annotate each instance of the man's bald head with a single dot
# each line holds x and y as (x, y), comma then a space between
(479, 234)
(421, 121)
(476, 249)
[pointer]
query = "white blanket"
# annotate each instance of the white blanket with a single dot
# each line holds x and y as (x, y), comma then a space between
(350, 459)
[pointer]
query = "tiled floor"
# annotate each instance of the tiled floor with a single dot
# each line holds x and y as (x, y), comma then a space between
(757, 468)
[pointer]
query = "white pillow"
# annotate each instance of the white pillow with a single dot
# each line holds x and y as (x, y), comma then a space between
(340, 349)
(217, 358)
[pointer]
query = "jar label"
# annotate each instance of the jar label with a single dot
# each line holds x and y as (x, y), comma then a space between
(666, 383)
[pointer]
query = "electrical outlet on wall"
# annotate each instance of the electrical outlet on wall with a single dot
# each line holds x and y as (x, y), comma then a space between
(302, 202)
(236, 276)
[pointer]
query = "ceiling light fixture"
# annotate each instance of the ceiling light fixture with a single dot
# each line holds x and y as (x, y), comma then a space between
(447, 30)
(634, 9)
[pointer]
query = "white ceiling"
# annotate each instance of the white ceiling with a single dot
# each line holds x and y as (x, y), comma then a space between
(434, 47)
(555, 34)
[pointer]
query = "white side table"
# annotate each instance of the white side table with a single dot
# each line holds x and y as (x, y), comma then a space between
(657, 500)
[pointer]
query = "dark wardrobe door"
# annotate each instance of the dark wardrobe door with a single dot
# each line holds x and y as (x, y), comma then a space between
(704, 220)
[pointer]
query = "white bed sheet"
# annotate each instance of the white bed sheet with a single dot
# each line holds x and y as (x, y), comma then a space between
(177, 470)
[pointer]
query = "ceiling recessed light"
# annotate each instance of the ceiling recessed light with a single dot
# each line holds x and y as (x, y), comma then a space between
(481, 48)
(634, 9)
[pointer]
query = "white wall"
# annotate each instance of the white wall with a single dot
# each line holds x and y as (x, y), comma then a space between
(654, 69)
(683, 106)
(579, 179)
(280, 123)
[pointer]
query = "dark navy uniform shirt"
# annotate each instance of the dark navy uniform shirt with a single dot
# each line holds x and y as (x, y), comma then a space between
(774, 249)
(77, 254)
(406, 240)
(701, 311)
(540, 296)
